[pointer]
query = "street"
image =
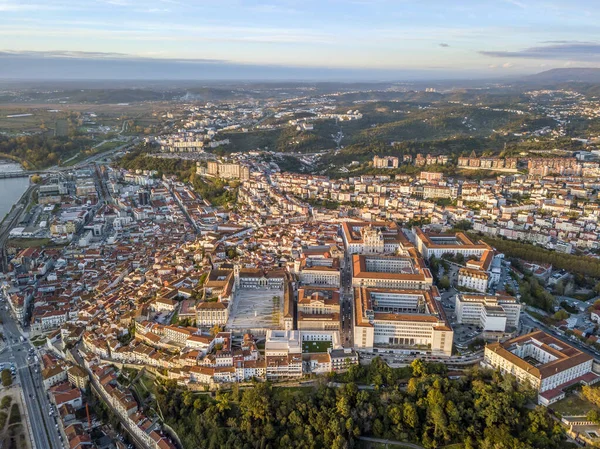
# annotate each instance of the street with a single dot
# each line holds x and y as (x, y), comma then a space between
(346, 305)
(43, 427)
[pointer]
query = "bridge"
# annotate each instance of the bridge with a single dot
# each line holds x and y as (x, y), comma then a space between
(18, 174)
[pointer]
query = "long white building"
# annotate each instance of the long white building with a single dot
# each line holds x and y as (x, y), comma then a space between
(491, 312)
(430, 244)
(362, 237)
(401, 272)
(548, 364)
(409, 320)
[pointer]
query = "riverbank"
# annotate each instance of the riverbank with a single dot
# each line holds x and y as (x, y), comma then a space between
(12, 188)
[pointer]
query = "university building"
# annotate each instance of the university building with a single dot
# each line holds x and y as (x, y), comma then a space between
(431, 244)
(318, 308)
(548, 364)
(411, 320)
(493, 313)
(373, 238)
(399, 272)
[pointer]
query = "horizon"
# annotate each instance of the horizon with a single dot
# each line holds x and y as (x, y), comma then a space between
(379, 40)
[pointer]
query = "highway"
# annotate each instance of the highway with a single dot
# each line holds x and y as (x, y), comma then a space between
(43, 427)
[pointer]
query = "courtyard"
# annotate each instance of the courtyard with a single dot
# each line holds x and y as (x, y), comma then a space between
(315, 346)
(256, 309)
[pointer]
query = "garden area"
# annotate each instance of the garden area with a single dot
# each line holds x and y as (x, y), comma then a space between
(572, 405)
(315, 346)
(12, 431)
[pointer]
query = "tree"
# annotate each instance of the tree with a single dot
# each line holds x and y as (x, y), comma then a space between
(559, 288)
(444, 282)
(562, 314)
(36, 179)
(215, 330)
(464, 225)
(592, 394)
(594, 415)
(6, 378)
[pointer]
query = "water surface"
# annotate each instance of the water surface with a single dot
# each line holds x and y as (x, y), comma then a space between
(11, 189)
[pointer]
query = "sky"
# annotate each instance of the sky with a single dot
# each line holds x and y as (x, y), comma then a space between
(377, 39)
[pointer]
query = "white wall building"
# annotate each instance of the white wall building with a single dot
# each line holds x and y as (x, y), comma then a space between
(549, 365)
(492, 313)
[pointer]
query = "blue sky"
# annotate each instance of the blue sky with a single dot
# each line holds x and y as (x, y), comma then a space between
(468, 37)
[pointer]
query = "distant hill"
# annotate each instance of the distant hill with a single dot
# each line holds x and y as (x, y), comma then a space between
(578, 75)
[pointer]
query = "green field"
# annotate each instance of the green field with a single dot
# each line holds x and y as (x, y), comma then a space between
(315, 346)
(28, 243)
(82, 155)
(572, 405)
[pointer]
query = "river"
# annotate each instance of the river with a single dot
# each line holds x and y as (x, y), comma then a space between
(11, 189)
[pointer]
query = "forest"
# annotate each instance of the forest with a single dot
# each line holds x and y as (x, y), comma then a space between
(583, 265)
(39, 151)
(216, 191)
(139, 159)
(480, 410)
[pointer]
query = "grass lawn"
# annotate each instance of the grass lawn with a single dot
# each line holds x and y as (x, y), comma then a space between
(28, 243)
(572, 405)
(315, 346)
(38, 343)
(147, 383)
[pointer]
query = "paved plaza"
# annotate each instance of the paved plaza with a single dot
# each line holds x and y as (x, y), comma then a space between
(256, 309)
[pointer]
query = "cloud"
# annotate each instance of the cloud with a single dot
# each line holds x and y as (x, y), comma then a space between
(506, 65)
(516, 3)
(567, 42)
(444, 45)
(569, 51)
(93, 66)
(16, 6)
(96, 55)
(155, 10)
(65, 54)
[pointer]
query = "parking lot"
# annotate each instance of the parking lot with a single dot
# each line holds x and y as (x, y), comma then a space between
(463, 334)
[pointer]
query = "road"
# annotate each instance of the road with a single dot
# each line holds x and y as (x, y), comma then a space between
(392, 442)
(346, 305)
(89, 160)
(43, 426)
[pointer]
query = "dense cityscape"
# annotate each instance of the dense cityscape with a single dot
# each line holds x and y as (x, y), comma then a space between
(146, 265)
(264, 225)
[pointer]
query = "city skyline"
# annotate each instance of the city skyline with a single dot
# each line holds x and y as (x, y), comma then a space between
(377, 39)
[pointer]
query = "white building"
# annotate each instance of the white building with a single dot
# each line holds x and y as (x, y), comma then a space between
(430, 244)
(399, 272)
(373, 238)
(492, 313)
(283, 354)
(408, 320)
(473, 279)
(548, 364)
